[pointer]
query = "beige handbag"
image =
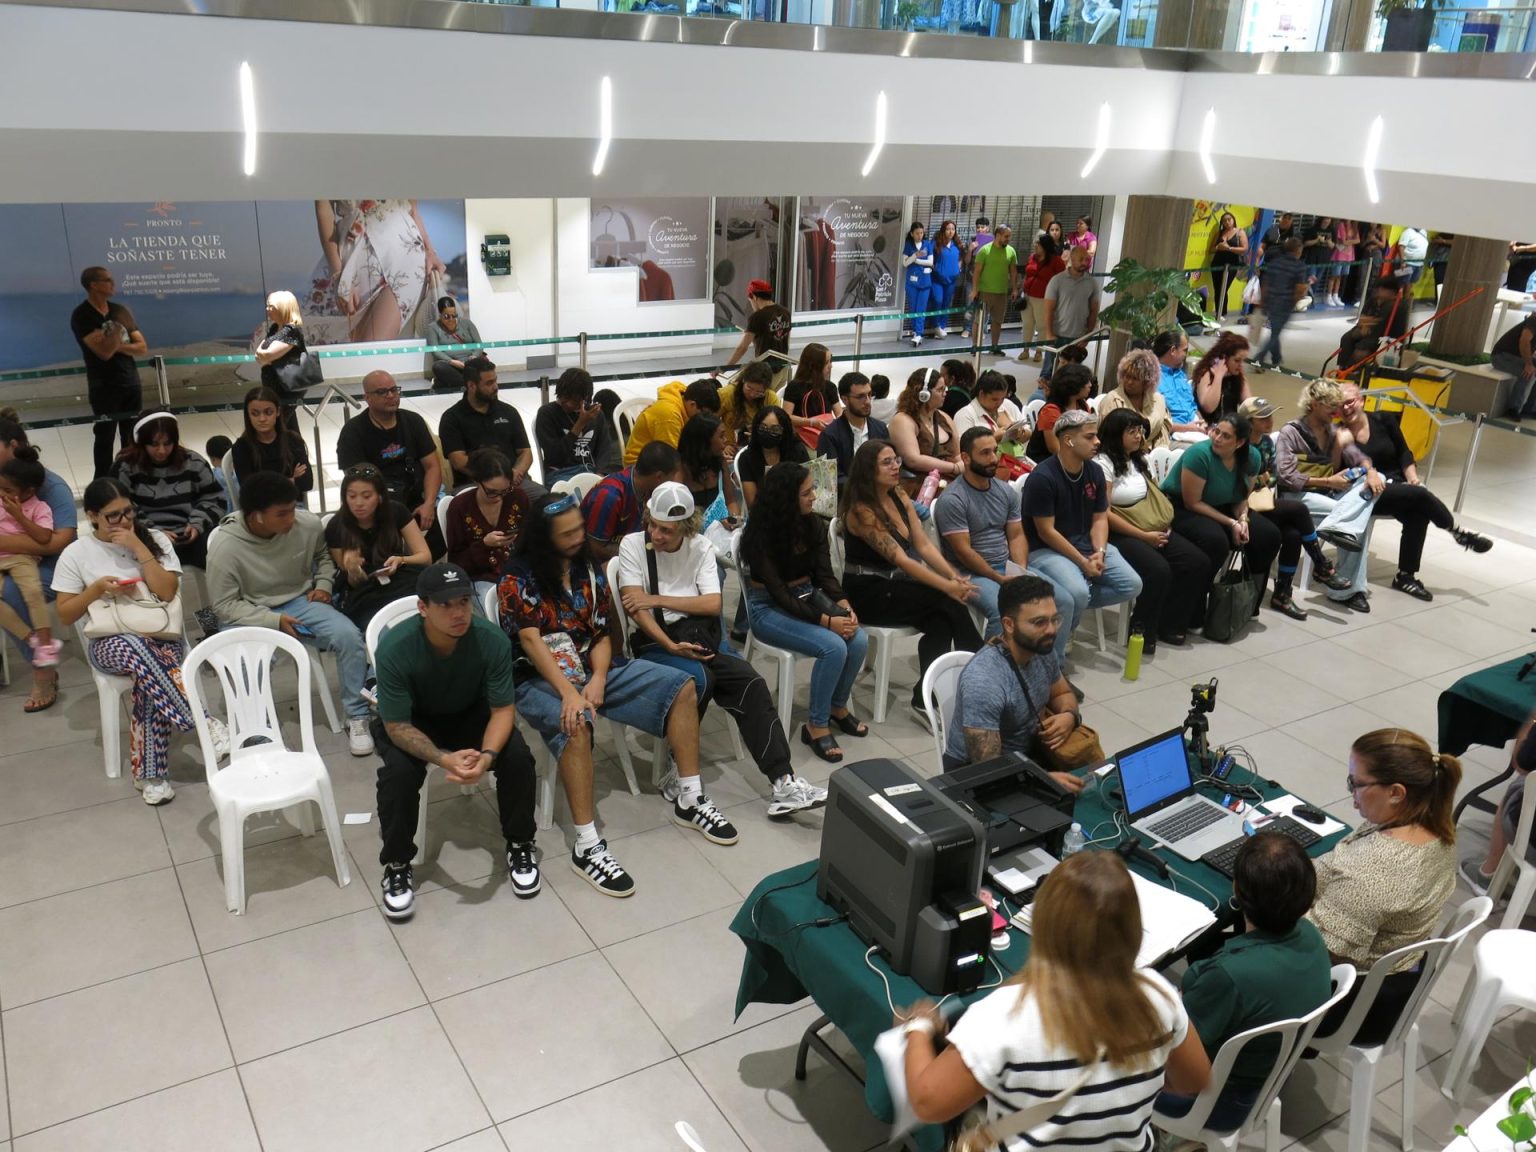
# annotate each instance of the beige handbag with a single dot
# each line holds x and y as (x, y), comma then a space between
(1152, 514)
(145, 615)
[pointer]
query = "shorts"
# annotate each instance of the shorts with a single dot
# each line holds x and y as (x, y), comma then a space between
(1340, 268)
(638, 694)
(995, 305)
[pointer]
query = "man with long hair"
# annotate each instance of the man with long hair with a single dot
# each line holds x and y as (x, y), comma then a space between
(555, 606)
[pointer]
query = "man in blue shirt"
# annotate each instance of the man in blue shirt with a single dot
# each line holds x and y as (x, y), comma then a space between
(1171, 347)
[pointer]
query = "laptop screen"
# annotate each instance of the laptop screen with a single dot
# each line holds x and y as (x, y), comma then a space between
(1153, 771)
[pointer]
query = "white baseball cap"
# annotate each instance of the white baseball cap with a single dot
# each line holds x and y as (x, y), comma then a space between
(670, 503)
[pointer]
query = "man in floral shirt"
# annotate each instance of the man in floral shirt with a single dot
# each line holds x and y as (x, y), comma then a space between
(555, 606)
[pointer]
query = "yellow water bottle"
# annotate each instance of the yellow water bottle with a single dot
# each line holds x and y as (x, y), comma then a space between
(1133, 655)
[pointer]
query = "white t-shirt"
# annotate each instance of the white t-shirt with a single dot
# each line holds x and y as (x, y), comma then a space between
(1001, 1041)
(89, 559)
(1123, 490)
(974, 415)
(690, 571)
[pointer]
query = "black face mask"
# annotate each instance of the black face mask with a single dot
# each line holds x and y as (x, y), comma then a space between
(769, 437)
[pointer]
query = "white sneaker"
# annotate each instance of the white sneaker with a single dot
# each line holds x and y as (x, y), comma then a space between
(358, 740)
(795, 794)
(218, 731)
(943, 332)
(916, 340)
(157, 792)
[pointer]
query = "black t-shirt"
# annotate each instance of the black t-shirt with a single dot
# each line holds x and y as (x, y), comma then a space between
(462, 429)
(291, 335)
(552, 427)
(1389, 452)
(118, 371)
(252, 456)
(1509, 343)
(1522, 265)
(770, 329)
(1072, 502)
(334, 537)
(397, 452)
(1315, 253)
(820, 398)
(1275, 237)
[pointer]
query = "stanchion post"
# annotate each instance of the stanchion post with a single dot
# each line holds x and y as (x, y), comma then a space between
(581, 344)
(858, 340)
(1466, 469)
(163, 384)
(543, 390)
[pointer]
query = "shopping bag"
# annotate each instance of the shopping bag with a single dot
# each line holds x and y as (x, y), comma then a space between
(1229, 607)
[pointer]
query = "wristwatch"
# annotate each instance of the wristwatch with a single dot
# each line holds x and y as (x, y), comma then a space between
(491, 752)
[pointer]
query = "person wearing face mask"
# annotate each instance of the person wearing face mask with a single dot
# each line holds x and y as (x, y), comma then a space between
(172, 486)
(772, 441)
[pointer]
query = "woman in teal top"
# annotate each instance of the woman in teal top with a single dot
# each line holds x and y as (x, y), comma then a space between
(1208, 486)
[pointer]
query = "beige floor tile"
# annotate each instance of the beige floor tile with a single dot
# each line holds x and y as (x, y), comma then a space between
(486, 1140)
(206, 1115)
(69, 850)
(325, 1096)
(55, 945)
(287, 990)
(638, 1113)
(559, 1030)
(100, 1046)
(766, 846)
(66, 778)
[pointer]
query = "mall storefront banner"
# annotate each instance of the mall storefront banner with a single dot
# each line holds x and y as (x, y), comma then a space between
(848, 252)
(665, 239)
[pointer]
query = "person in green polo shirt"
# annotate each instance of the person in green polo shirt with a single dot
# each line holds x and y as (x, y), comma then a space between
(995, 281)
(1276, 969)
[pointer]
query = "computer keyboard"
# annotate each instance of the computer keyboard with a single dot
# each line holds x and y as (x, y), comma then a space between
(1223, 858)
(1186, 823)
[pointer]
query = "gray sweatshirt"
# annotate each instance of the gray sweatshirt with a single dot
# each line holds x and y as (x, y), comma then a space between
(248, 576)
(1295, 442)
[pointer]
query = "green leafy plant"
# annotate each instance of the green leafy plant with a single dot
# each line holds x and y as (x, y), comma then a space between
(1385, 8)
(1519, 1126)
(907, 12)
(1146, 298)
(1468, 361)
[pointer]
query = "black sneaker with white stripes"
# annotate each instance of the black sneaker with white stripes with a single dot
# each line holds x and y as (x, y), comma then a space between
(705, 819)
(523, 869)
(598, 868)
(399, 891)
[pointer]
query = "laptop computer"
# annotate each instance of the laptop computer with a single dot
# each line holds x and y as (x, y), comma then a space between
(1161, 802)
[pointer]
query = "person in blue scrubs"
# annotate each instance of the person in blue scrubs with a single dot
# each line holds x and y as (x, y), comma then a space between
(947, 255)
(917, 259)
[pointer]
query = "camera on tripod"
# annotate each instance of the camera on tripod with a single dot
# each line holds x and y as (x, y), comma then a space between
(1202, 702)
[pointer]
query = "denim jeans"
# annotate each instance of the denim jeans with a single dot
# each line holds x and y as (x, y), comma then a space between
(1522, 394)
(986, 602)
(12, 596)
(837, 661)
(1277, 322)
(333, 632)
(1349, 512)
(637, 694)
(1118, 584)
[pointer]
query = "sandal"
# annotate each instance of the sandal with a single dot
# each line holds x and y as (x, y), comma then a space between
(824, 746)
(850, 724)
(50, 688)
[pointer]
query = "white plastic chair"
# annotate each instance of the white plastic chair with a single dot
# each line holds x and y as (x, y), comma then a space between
(266, 776)
(940, 683)
(110, 689)
(1503, 975)
(882, 638)
(783, 657)
(580, 484)
(1032, 411)
(1293, 1037)
(1361, 1063)
(323, 687)
(627, 412)
(1514, 862)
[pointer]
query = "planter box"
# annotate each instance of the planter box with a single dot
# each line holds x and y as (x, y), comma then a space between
(1475, 387)
(1408, 30)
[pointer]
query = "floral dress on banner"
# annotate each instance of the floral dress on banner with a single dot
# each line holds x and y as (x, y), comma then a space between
(381, 247)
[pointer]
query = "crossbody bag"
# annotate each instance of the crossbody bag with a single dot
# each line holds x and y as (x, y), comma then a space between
(1079, 749)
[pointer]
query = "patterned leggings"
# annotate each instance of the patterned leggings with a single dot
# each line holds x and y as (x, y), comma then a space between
(159, 699)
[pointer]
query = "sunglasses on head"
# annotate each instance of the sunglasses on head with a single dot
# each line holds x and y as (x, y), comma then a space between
(564, 504)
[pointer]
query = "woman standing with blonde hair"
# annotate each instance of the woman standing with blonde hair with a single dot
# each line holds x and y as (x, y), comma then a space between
(282, 347)
(1079, 1013)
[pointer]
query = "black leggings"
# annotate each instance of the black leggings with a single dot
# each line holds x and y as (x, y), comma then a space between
(1215, 541)
(1294, 522)
(1173, 581)
(1415, 508)
(944, 622)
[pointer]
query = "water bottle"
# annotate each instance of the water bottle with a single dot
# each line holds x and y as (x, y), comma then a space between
(1353, 474)
(929, 489)
(1133, 654)
(1074, 841)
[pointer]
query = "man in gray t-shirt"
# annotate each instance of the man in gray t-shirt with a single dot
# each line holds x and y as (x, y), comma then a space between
(1012, 691)
(978, 521)
(1071, 306)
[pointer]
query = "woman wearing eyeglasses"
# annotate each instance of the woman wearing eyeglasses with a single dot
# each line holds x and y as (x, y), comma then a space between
(1384, 885)
(124, 556)
(376, 545)
(482, 521)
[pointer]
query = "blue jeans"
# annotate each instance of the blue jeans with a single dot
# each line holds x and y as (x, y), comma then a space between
(637, 694)
(1348, 512)
(1522, 397)
(837, 660)
(335, 633)
(1229, 1114)
(987, 602)
(1277, 322)
(1118, 584)
(12, 596)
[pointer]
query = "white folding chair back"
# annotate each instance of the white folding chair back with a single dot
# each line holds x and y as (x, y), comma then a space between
(1361, 1063)
(1514, 862)
(939, 685)
(782, 657)
(110, 689)
(548, 772)
(263, 774)
(1293, 1036)
(627, 412)
(1032, 411)
(1503, 976)
(580, 484)
(442, 510)
(882, 638)
(386, 618)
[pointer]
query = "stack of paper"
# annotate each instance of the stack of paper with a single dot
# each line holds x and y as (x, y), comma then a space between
(1169, 920)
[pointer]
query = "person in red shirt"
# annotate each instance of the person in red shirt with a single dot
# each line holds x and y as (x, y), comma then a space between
(1044, 262)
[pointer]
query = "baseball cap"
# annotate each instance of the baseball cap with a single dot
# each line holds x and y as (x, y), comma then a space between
(1075, 418)
(1257, 406)
(759, 288)
(444, 582)
(670, 503)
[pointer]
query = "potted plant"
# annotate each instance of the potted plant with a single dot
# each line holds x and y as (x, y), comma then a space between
(1518, 1125)
(1146, 299)
(1409, 24)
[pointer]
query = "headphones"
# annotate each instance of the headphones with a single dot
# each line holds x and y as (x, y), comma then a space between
(925, 393)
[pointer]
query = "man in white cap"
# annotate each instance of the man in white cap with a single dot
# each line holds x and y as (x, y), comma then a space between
(669, 584)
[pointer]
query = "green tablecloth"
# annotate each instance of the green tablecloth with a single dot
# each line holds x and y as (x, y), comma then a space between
(789, 958)
(1486, 707)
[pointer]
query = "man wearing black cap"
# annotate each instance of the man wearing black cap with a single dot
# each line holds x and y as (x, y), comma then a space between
(444, 680)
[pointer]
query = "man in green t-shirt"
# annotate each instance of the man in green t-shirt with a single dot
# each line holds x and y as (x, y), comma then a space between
(446, 699)
(995, 281)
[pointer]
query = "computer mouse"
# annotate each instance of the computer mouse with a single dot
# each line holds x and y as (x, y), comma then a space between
(1310, 814)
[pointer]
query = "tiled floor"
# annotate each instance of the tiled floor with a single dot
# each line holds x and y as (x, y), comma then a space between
(136, 1014)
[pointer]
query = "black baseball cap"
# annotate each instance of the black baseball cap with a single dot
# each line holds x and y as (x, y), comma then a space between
(442, 583)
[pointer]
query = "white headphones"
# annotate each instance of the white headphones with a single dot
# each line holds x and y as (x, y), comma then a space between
(925, 393)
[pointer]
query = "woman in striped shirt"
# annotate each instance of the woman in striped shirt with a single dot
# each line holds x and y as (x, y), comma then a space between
(172, 487)
(1078, 1002)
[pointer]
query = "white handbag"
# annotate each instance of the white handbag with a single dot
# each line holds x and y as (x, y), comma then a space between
(146, 615)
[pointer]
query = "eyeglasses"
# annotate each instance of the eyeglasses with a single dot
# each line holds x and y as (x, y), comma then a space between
(495, 493)
(449, 315)
(1352, 785)
(125, 515)
(564, 504)
(363, 470)
(393, 390)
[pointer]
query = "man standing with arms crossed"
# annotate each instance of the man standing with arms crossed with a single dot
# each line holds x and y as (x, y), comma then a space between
(109, 339)
(1071, 306)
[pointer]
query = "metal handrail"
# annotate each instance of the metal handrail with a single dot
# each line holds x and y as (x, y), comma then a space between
(1434, 415)
(332, 392)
